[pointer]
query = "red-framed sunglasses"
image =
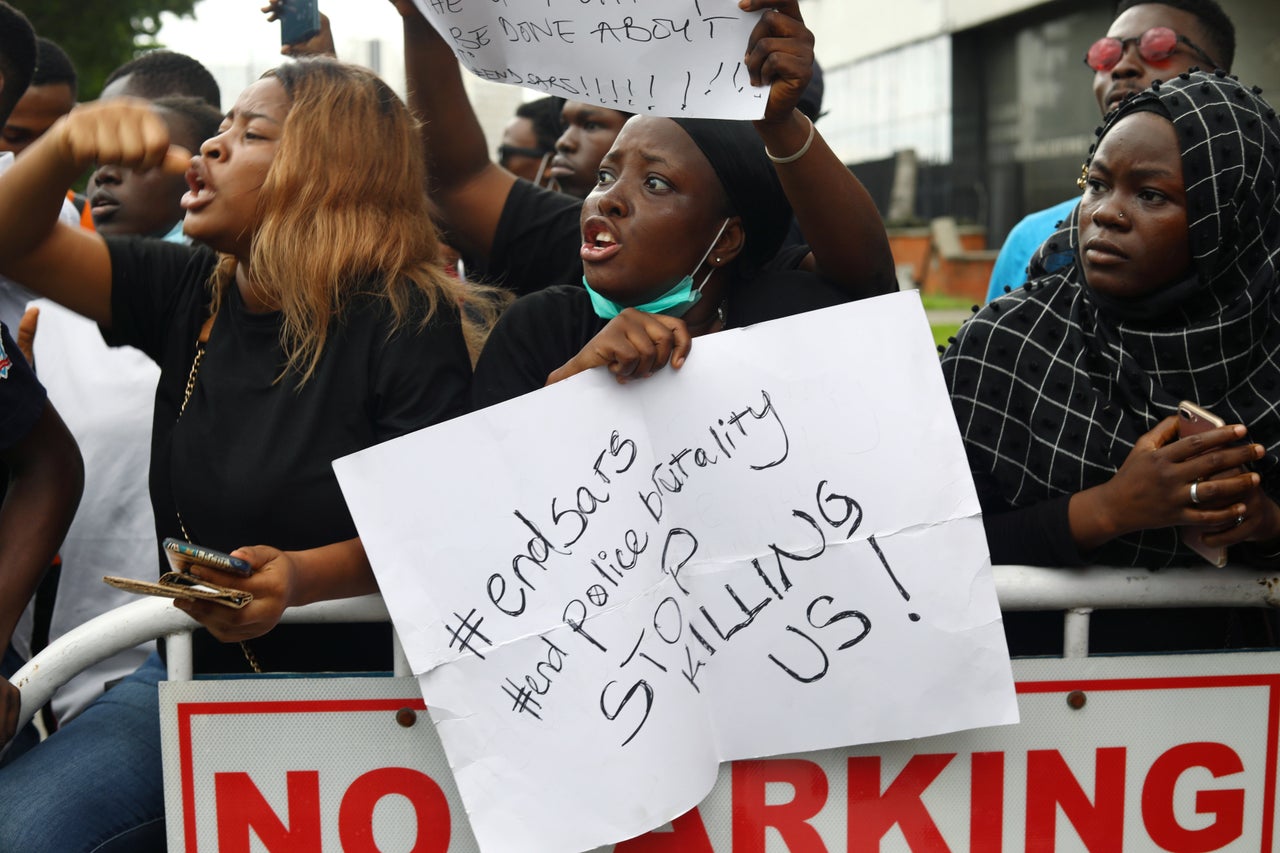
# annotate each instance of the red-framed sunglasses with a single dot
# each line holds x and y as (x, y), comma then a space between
(1155, 45)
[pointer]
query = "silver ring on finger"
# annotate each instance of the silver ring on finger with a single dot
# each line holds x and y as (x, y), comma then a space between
(1195, 498)
(1239, 519)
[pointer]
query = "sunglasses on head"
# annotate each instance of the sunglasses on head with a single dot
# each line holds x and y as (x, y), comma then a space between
(1155, 45)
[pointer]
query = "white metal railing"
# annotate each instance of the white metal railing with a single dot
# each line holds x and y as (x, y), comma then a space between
(1078, 592)
(149, 618)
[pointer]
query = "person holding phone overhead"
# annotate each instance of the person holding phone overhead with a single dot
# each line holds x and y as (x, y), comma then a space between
(315, 320)
(304, 29)
(528, 238)
(1066, 391)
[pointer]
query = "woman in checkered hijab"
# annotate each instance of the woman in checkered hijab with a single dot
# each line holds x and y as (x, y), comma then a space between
(1066, 389)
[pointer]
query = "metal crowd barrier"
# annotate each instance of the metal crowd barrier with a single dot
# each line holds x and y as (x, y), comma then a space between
(1077, 592)
(150, 618)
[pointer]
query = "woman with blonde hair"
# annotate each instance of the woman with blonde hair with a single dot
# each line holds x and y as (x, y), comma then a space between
(314, 320)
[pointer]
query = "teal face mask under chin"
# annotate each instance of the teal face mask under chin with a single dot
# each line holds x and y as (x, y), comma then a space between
(674, 303)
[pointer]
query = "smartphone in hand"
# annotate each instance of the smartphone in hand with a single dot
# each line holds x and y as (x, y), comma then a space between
(1193, 420)
(299, 21)
(183, 555)
(180, 583)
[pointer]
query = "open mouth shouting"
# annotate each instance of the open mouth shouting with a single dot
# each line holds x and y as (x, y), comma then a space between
(599, 241)
(198, 193)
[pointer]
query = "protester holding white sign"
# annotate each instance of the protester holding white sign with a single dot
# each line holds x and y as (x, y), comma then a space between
(679, 239)
(527, 238)
(606, 591)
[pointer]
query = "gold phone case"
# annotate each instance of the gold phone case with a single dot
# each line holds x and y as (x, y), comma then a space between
(182, 585)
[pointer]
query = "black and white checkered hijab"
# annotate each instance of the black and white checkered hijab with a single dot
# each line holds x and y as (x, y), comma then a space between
(1052, 385)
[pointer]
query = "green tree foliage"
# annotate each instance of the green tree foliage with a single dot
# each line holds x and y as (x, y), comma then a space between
(100, 35)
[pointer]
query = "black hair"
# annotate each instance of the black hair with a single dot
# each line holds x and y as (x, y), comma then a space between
(1217, 27)
(53, 66)
(17, 57)
(544, 113)
(161, 73)
(197, 115)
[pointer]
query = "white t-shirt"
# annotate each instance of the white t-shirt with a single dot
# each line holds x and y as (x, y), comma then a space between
(13, 296)
(106, 396)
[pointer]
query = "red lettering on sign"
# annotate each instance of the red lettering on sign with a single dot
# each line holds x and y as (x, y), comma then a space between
(1050, 784)
(1225, 805)
(986, 802)
(872, 814)
(355, 815)
(751, 814)
(242, 807)
(687, 835)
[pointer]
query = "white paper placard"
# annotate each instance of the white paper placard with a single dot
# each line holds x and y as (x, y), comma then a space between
(654, 57)
(608, 590)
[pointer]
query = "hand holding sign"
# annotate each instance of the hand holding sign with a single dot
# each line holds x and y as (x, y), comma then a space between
(633, 345)
(779, 54)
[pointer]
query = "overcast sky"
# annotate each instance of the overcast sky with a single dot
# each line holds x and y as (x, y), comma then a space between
(235, 32)
(233, 39)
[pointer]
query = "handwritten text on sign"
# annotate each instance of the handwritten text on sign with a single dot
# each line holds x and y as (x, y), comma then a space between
(607, 591)
(657, 57)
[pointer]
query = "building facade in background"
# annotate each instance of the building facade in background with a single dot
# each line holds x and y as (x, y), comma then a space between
(991, 95)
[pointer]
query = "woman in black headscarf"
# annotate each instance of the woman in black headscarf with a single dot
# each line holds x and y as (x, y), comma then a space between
(679, 239)
(681, 236)
(1066, 390)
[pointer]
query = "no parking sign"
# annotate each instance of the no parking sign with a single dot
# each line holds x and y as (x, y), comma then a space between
(1175, 753)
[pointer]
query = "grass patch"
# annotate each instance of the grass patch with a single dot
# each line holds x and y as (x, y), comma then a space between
(936, 302)
(943, 331)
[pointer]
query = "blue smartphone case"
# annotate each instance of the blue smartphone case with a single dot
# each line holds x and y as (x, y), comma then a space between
(181, 555)
(299, 21)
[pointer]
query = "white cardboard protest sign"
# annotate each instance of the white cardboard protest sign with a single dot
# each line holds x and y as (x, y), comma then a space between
(655, 57)
(607, 591)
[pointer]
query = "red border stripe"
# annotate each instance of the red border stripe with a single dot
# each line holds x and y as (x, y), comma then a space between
(187, 710)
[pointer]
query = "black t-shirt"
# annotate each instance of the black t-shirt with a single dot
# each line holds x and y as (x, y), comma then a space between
(249, 460)
(537, 241)
(22, 398)
(542, 331)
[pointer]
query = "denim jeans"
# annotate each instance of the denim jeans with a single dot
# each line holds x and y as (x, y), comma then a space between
(28, 736)
(97, 783)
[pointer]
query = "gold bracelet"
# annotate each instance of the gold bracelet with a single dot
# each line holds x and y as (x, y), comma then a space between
(804, 149)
